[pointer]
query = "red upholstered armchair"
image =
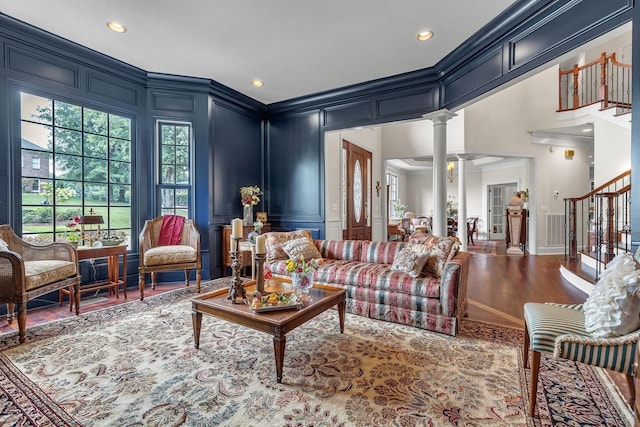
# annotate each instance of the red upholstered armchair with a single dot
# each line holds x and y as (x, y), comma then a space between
(180, 255)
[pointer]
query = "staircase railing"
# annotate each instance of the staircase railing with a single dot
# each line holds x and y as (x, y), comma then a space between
(603, 80)
(598, 224)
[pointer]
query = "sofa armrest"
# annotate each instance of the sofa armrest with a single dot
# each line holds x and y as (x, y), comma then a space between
(453, 286)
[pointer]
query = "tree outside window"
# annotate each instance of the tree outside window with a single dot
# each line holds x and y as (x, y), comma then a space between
(175, 182)
(84, 162)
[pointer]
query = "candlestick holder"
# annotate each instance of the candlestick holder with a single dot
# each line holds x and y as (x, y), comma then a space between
(237, 289)
(259, 260)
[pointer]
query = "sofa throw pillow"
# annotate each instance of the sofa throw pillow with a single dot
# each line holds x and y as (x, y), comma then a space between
(410, 262)
(613, 307)
(441, 250)
(3, 246)
(301, 248)
(275, 239)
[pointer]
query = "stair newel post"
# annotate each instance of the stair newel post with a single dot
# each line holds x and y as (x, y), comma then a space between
(610, 234)
(604, 95)
(576, 96)
(573, 241)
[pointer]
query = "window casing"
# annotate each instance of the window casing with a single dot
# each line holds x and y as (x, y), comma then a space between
(175, 185)
(392, 182)
(84, 162)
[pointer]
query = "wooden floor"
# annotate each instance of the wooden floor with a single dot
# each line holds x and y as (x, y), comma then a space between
(498, 287)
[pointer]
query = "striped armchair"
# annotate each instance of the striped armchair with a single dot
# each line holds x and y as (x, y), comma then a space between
(559, 330)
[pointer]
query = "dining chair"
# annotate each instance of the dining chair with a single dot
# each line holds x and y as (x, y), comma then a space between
(472, 227)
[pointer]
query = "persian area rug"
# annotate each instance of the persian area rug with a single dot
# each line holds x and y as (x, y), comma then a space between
(487, 247)
(135, 364)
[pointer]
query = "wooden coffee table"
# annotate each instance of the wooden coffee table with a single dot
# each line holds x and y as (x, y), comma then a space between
(277, 323)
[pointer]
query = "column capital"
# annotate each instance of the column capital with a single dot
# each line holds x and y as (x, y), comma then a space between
(440, 116)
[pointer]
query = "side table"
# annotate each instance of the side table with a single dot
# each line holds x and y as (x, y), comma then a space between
(246, 246)
(113, 281)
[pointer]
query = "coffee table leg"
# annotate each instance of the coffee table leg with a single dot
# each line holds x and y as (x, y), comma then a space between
(279, 342)
(197, 324)
(342, 305)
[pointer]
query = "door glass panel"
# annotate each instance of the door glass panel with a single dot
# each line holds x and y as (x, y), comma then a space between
(357, 191)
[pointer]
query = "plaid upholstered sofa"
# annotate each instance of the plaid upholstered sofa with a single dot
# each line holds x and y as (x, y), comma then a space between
(435, 301)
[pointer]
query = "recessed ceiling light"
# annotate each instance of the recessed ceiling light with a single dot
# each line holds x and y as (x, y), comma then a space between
(587, 129)
(425, 35)
(257, 83)
(117, 27)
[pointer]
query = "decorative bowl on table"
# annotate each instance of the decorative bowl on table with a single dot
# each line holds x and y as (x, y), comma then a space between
(111, 241)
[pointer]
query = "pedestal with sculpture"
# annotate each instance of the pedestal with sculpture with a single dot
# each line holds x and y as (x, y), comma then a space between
(516, 225)
(514, 218)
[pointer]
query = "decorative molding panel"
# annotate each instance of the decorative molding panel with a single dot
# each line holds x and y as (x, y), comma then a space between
(346, 113)
(39, 66)
(173, 102)
(117, 91)
(406, 104)
(486, 69)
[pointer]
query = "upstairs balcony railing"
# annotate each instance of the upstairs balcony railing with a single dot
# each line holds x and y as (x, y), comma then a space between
(598, 224)
(603, 80)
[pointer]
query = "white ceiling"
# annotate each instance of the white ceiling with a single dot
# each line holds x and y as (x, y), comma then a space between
(298, 47)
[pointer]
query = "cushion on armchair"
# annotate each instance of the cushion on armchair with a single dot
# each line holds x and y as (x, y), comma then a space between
(175, 254)
(40, 273)
(613, 307)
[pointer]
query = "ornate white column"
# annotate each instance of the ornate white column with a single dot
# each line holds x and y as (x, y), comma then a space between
(439, 119)
(462, 202)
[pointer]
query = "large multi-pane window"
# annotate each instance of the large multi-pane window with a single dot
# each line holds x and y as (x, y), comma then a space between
(174, 180)
(75, 160)
(392, 183)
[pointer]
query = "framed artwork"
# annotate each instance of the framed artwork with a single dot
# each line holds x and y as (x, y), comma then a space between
(262, 217)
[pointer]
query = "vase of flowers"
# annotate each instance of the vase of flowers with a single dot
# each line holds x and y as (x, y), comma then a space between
(249, 196)
(73, 233)
(257, 227)
(301, 274)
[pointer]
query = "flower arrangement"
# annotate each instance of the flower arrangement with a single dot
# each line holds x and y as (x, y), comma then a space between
(257, 226)
(398, 208)
(267, 272)
(249, 195)
(301, 266)
(451, 206)
(73, 231)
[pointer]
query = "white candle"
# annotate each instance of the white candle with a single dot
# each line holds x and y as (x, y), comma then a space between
(261, 247)
(236, 228)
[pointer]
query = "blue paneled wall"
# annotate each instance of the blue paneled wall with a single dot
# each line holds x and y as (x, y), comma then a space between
(239, 141)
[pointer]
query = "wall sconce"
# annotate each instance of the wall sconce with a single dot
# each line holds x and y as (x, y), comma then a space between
(568, 154)
(450, 171)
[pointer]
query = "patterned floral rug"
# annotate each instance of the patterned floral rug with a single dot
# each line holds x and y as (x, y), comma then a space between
(487, 247)
(135, 364)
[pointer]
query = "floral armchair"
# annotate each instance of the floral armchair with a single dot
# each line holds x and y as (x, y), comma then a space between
(154, 257)
(28, 271)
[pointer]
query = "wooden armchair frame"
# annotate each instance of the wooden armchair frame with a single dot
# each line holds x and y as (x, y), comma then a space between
(148, 239)
(13, 283)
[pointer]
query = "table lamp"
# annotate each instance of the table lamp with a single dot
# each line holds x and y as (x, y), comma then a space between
(90, 220)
